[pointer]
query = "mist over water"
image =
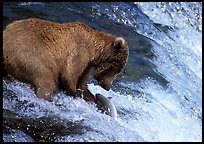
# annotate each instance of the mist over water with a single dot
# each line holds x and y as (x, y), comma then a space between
(158, 96)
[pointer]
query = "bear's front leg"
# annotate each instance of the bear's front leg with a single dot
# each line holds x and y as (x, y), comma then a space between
(84, 93)
(83, 88)
(88, 96)
(45, 88)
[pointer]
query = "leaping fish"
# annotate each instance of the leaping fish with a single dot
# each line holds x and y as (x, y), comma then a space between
(108, 106)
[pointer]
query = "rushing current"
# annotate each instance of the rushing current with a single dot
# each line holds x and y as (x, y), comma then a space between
(158, 96)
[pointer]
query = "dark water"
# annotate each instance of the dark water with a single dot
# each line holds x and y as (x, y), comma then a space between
(157, 96)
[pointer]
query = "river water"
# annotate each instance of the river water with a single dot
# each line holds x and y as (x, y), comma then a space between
(158, 96)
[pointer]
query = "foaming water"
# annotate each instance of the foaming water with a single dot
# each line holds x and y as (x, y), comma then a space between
(157, 114)
(184, 41)
(88, 123)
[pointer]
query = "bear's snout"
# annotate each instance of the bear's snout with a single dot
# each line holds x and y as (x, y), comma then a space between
(105, 86)
(106, 81)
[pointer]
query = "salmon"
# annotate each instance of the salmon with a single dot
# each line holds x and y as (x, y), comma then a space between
(108, 106)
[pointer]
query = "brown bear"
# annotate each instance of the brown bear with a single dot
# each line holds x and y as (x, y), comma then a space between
(51, 56)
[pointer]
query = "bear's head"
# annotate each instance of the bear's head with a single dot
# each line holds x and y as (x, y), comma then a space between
(107, 70)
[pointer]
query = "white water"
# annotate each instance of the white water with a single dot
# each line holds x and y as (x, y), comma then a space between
(158, 114)
(176, 111)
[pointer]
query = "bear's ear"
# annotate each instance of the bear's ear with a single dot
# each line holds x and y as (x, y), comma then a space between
(118, 43)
